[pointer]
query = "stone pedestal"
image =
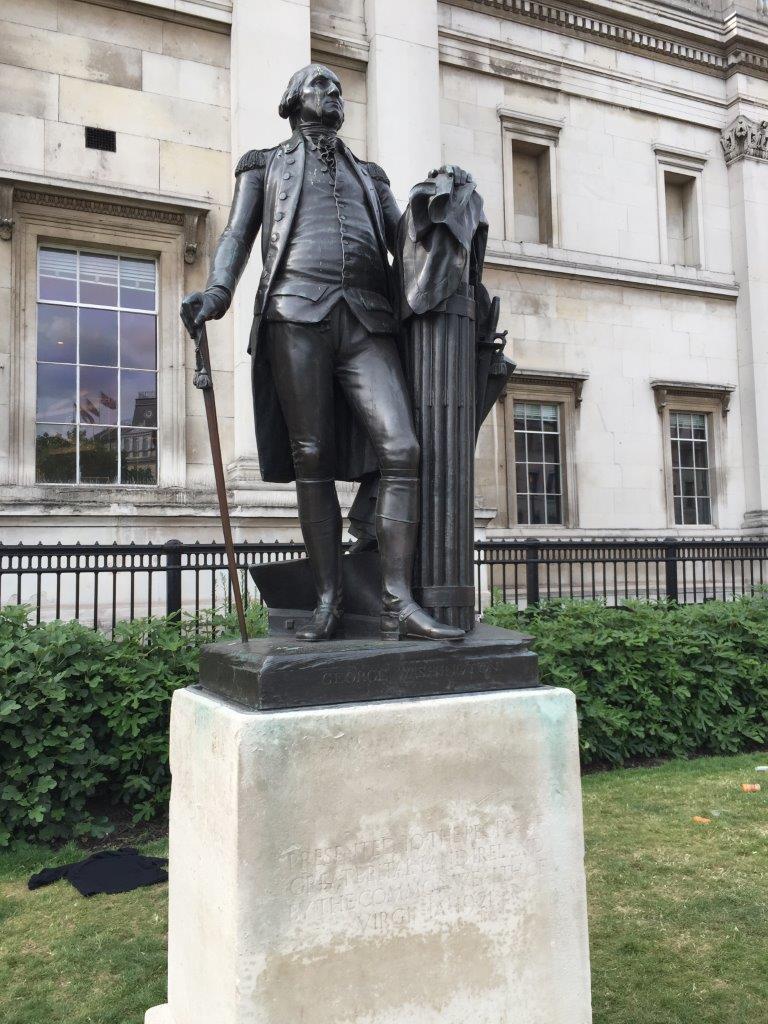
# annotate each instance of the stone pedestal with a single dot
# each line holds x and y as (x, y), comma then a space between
(412, 861)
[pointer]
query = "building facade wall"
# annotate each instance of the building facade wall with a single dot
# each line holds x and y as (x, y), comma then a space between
(614, 97)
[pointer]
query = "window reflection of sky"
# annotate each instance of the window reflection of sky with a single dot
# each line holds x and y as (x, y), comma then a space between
(97, 367)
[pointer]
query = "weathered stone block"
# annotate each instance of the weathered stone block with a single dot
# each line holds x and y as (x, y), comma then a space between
(135, 163)
(400, 862)
(43, 50)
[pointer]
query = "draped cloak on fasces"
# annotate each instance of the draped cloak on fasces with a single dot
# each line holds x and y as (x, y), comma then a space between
(441, 242)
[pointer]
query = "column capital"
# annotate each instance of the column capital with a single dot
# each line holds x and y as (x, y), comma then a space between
(745, 138)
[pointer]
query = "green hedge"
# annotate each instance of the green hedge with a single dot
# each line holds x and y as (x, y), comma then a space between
(84, 718)
(655, 680)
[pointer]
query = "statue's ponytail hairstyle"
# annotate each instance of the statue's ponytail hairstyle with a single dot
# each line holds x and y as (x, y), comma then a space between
(289, 104)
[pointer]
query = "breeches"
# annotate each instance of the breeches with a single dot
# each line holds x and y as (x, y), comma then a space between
(307, 359)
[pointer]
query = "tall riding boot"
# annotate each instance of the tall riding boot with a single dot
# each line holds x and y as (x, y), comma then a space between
(320, 520)
(397, 526)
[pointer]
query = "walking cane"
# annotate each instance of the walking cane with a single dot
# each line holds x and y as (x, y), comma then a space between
(204, 382)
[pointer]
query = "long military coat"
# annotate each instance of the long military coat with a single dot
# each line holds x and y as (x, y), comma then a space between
(267, 193)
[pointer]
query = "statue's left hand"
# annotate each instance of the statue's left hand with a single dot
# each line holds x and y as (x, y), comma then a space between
(459, 175)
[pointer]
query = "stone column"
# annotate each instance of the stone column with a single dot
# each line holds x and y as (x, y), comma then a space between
(270, 40)
(746, 152)
(403, 90)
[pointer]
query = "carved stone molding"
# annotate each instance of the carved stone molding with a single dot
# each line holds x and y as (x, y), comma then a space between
(94, 205)
(156, 210)
(552, 379)
(666, 390)
(745, 138)
(6, 212)
(720, 58)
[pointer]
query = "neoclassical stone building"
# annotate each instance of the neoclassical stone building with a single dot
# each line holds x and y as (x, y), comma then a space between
(622, 151)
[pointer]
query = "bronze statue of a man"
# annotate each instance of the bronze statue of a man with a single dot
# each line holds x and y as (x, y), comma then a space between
(330, 398)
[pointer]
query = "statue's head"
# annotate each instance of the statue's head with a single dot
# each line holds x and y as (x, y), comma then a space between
(313, 96)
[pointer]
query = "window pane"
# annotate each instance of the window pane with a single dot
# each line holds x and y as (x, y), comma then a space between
(537, 509)
(686, 453)
(139, 454)
(522, 510)
(700, 454)
(675, 454)
(678, 511)
(56, 333)
(536, 479)
(689, 511)
(56, 454)
(520, 448)
(521, 478)
(98, 395)
(56, 385)
(98, 337)
(702, 483)
(533, 417)
(98, 455)
(553, 479)
(554, 514)
(138, 341)
(98, 279)
(535, 448)
(688, 482)
(137, 284)
(705, 512)
(551, 448)
(57, 273)
(138, 398)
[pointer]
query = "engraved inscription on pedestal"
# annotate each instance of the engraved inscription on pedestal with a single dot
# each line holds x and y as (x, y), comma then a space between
(419, 880)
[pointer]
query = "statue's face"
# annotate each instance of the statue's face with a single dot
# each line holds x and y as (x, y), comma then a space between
(320, 100)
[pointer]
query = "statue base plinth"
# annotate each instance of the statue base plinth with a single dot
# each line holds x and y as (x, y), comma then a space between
(392, 862)
(279, 672)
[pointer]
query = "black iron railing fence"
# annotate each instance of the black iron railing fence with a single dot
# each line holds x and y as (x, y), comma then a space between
(103, 584)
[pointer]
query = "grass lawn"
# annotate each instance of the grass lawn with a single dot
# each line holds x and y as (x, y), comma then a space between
(678, 915)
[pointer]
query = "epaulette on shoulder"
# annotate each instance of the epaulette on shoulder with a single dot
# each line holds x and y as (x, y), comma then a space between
(377, 173)
(253, 158)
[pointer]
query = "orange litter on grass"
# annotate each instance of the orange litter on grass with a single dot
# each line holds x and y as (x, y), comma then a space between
(750, 787)
(698, 820)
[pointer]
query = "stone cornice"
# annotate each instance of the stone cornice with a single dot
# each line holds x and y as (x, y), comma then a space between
(664, 390)
(745, 138)
(185, 213)
(704, 43)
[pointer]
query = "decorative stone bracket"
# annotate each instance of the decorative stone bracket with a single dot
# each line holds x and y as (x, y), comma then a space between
(745, 138)
(192, 221)
(666, 390)
(6, 212)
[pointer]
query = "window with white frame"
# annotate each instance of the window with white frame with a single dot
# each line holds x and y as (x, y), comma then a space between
(539, 421)
(538, 464)
(691, 485)
(97, 416)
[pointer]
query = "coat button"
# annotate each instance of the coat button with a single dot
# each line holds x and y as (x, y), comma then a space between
(283, 195)
(290, 161)
(286, 176)
(275, 236)
(279, 216)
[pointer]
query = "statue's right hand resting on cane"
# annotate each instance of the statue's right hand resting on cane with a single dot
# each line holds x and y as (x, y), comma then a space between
(198, 308)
